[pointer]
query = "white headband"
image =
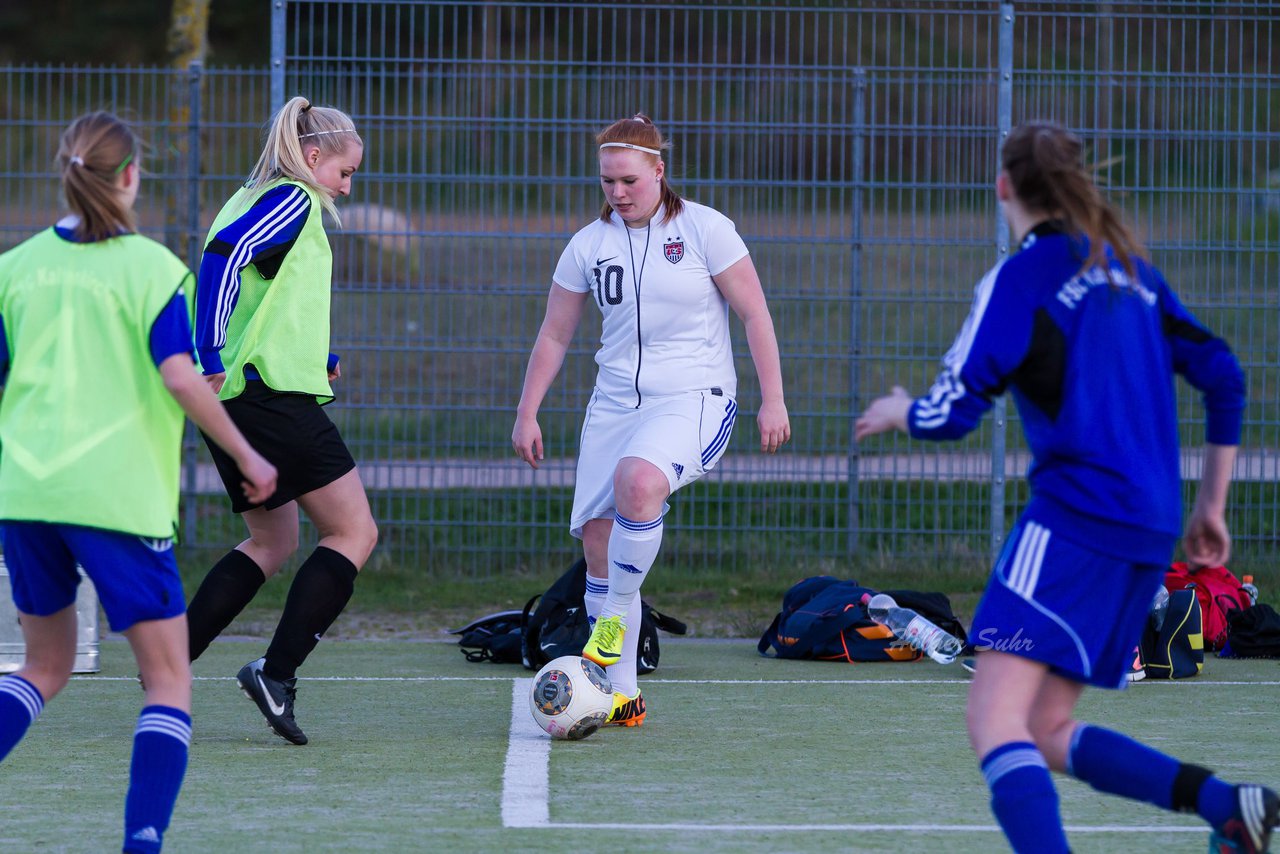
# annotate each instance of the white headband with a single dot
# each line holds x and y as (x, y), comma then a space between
(325, 132)
(652, 151)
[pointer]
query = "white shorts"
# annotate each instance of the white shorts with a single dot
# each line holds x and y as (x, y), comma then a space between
(684, 435)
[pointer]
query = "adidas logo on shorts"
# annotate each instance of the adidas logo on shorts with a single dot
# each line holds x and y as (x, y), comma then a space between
(156, 544)
(679, 470)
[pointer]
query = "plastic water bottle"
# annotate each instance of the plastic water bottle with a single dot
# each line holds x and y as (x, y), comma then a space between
(1248, 587)
(916, 630)
(1159, 606)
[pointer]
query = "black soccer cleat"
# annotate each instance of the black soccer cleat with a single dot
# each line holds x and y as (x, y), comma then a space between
(274, 699)
(1249, 830)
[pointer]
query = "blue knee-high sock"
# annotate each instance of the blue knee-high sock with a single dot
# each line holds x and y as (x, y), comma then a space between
(20, 705)
(159, 763)
(1112, 762)
(1023, 798)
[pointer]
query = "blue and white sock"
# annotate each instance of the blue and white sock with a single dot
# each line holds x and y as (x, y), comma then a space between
(20, 705)
(160, 746)
(1024, 800)
(594, 596)
(1114, 763)
(633, 547)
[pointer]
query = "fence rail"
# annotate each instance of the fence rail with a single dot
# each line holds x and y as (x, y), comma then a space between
(854, 148)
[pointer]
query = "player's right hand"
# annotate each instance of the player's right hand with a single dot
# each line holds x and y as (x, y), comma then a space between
(526, 438)
(259, 482)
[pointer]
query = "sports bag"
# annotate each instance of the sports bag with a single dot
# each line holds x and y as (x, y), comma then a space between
(1176, 649)
(559, 626)
(495, 638)
(1254, 633)
(1219, 592)
(825, 618)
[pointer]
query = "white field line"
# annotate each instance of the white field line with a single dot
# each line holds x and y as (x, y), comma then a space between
(904, 828)
(526, 776)
(1181, 683)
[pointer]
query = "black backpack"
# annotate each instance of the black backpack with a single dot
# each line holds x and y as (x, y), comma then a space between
(558, 625)
(493, 638)
(1253, 632)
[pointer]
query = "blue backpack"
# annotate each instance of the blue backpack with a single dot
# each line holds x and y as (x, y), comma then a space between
(825, 618)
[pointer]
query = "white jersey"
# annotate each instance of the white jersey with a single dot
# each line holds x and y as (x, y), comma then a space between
(665, 327)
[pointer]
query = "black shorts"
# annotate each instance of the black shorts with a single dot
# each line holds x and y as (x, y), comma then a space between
(295, 435)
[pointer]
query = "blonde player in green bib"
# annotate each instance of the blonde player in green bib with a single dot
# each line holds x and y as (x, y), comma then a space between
(262, 335)
(96, 354)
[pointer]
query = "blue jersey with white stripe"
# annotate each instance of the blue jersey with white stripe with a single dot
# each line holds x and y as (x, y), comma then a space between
(262, 236)
(1089, 356)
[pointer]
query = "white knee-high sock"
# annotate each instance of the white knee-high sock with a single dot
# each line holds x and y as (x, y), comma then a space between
(633, 546)
(623, 673)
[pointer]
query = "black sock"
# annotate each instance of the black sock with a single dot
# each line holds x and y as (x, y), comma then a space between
(320, 591)
(225, 591)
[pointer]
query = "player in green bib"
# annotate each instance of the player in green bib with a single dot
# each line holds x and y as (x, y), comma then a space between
(96, 360)
(262, 335)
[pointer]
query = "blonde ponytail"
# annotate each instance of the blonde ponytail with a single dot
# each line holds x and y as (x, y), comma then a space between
(294, 128)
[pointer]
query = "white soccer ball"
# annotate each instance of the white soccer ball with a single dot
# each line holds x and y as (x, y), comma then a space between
(571, 697)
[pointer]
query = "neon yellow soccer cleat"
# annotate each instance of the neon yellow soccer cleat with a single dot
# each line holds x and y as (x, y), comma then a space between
(627, 711)
(604, 647)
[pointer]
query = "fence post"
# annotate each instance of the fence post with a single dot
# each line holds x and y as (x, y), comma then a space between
(854, 523)
(1000, 423)
(195, 74)
(278, 16)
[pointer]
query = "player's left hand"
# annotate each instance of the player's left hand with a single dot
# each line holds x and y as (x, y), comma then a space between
(335, 373)
(884, 414)
(1207, 542)
(775, 426)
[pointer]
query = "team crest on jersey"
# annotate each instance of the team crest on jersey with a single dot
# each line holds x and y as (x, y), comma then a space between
(674, 250)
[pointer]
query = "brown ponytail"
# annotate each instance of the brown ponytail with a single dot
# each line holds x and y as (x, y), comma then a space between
(640, 130)
(92, 153)
(1045, 163)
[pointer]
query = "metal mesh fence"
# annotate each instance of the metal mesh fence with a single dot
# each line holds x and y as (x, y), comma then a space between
(855, 150)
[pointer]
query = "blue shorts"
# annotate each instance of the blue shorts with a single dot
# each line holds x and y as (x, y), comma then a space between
(1055, 601)
(136, 577)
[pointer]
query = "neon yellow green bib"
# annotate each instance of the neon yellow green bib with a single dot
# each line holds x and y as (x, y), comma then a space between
(281, 325)
(89, 435)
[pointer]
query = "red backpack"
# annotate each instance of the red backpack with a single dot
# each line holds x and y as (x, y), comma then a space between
(1219, 593)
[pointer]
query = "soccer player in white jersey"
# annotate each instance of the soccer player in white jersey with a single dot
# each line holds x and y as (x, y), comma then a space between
(664, 273)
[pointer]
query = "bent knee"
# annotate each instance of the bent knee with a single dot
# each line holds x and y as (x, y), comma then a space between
(370, 535)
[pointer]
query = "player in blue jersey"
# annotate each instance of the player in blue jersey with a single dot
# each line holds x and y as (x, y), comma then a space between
(1087, 336)
(96, 360)
(262, 334)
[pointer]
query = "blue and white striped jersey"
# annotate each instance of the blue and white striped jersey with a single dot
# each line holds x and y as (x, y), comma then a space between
(262, 236)
(1090, 357)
